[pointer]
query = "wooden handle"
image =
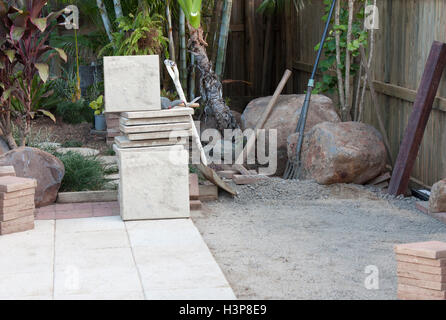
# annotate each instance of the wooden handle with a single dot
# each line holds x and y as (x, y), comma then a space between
(273, 100)
(251, 141)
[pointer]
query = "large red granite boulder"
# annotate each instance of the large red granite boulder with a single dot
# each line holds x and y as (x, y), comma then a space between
(39, 165)
(347, 152)
(285, 116)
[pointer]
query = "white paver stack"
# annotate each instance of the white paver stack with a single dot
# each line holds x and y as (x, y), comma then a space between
(153, 162)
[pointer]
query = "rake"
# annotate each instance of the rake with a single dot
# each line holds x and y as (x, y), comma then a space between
(292, 170)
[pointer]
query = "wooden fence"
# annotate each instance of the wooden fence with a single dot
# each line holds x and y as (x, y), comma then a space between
(407, 30)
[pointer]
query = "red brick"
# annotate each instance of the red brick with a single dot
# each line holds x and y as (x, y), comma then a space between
(45, 213)
(16, 215)
(421, 291)
(17, 225)
(430, 249)
(11, 184)
(423, 283)
(17, 194)
(409, 296)
(405, 266)
(29, 204)
(17, 201)
(423, 261)
(105, 209)
(74, 210)
(195, 205)
(422, 276)
(194, 191)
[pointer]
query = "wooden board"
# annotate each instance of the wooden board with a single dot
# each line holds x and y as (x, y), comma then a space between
(418, 120)
(194, 192)
(87, 196)
(150, 121)
(212, 176)
(159, 114)
(156, 128)
(208, 192)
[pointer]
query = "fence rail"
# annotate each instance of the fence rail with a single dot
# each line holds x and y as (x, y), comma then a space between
(407, 30)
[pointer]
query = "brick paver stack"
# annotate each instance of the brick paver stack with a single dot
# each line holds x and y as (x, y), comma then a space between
(421, 270)
(16, 204)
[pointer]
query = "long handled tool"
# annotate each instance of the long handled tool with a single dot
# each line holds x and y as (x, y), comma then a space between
(175, 75)
(252, 139)
(292, 170)
(207, 172)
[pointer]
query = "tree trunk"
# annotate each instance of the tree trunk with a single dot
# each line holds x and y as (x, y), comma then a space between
(338, 57)
(214, 33)
(9, 138)
(118, 8)
(210, 86)
(346, 116)
(223, 39)
(183, 56)
(105, 19)
(5, 126)
(170, 34)
(191, 79)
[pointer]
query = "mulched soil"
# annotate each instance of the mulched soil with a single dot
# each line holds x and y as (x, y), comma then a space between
(44, 129)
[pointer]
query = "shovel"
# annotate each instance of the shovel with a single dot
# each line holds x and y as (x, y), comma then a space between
(175, 75)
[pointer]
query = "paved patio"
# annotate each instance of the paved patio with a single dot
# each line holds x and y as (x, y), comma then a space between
(106, 258)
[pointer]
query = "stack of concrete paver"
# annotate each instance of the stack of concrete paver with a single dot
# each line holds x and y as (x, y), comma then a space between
(421, 270)
(16, 204)
(154, 128)
(153, 163)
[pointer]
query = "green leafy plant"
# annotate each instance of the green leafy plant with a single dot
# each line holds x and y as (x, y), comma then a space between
(43, 99)
(210, 84)
(98, 105)
(192, 11)
(351, 37)
(82, 173)
(75, 112)
(24, 35)
(72, 144)
(138, 35)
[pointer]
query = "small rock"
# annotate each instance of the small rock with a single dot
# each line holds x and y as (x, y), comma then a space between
(108, 160)
(165, 103)
(87, 152)
(37, 164)
(49, 145)
(437, 200)
(112, 177)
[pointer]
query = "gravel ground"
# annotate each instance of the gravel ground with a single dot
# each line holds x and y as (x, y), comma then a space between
(298, 240)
